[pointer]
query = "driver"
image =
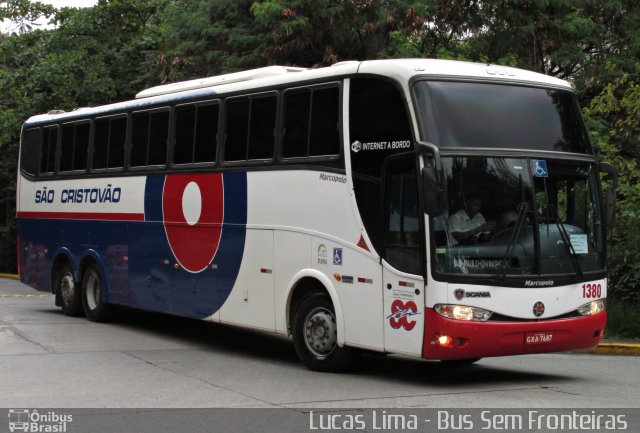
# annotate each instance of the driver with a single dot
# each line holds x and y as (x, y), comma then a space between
(468, 224)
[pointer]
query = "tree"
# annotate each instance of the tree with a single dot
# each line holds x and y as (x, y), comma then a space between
(209, 37)
(21, 15)
(111, 51)
(95, 56)
(614, 118)
(555, 37)
(323, 32)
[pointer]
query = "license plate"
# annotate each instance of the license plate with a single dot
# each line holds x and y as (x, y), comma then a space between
(538, 338)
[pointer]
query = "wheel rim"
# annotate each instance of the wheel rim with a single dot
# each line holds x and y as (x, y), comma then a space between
(92, 291)
(67, 288)
(320, 332)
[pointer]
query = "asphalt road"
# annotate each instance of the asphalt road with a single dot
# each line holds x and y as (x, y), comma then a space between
(144, 360)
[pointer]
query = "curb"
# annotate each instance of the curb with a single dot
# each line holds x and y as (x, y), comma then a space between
(616, 349)
(10, 276)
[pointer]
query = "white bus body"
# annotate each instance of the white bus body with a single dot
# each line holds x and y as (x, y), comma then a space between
(295, 201)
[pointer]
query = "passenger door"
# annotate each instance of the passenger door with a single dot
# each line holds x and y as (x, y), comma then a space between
(402, 264)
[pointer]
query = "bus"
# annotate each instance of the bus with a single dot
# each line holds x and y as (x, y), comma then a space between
(436, 209)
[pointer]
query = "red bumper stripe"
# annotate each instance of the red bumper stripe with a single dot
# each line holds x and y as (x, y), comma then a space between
(107, 216)
(485, 339)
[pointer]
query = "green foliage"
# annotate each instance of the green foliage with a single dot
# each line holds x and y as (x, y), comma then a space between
(204, 38)
(110, 51)
(623, 320)
(566, 39)
(323, 32)
(8, 259)
(95, 56)
(22, 14)
(614, 119)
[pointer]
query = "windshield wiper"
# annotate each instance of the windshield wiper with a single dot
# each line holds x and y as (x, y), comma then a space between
(566, 240)
(511, 246)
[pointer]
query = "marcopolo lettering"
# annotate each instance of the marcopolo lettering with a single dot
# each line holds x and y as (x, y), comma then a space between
(539, 283)
(333, 178)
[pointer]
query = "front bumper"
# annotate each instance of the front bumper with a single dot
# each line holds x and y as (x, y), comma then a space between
(484, 339)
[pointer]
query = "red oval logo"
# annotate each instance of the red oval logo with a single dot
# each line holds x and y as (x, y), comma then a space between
(192, 213)
(400, 313)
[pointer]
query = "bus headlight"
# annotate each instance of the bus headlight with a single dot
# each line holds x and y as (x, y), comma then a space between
(592, 308)
(462, 312)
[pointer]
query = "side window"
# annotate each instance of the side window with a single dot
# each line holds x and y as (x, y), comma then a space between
(237, 126)
(196, 131)
(75, 146)
(250, 128)
(158, 135)
(311, 126)
(297, 106)
(108, 143)
(262, 129)
(149, 136)
(206, 141)
(66, 147)
(117, 139)
(100, 144)
(48, 150)
(402, 224)
(379, 128)
(31, 140)
(324, 136)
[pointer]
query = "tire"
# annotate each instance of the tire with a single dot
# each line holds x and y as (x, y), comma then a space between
(93, 304)
(315, 335)
(68, 291)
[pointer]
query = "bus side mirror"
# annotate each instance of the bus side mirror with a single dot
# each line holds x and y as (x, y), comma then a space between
(610, 194)
(431, 192)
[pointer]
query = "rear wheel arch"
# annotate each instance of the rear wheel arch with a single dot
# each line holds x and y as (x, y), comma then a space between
(91, 258)
(94, 296)
(65, 285)
(62, 258)
(311, 281)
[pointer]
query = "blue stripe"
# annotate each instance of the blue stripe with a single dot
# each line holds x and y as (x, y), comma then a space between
(153, 198)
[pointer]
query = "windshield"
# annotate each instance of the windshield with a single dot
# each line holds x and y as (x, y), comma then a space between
(518, 216)
(486, 115)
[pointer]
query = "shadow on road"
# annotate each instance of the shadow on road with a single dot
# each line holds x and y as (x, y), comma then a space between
(278, 349)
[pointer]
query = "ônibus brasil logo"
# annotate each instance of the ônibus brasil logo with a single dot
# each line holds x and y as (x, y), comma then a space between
(32, 421)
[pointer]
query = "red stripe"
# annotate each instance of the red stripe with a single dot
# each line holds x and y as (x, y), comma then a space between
(482, 339)
(106, 216)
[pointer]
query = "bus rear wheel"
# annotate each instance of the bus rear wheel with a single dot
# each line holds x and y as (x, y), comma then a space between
(95, 308)
(68, 291)
(315, 335)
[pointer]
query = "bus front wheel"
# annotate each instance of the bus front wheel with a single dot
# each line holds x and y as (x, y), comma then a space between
(95, 308)
(68, 291)
(315, 335)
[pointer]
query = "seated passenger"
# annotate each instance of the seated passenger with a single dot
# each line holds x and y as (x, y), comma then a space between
(509, 218)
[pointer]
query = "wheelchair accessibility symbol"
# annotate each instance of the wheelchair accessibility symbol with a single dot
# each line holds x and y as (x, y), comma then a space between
(540, 168)
(337, 256)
